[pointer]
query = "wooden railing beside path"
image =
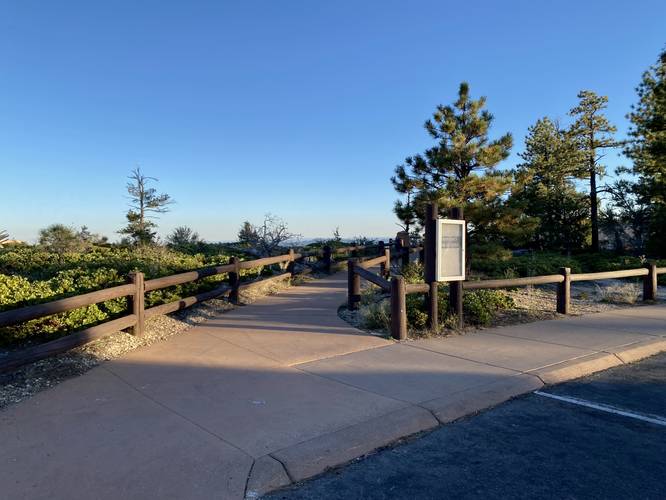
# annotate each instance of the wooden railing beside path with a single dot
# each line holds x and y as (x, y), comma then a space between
(399, 289)
(135, 290)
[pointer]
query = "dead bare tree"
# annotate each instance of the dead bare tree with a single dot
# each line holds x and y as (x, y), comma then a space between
(266, 237)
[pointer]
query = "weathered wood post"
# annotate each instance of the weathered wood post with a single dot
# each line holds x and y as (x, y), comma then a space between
(327, 258)
(386, 266)
(234, 280)
(650, 282)
(564, 291)
(430, 247)
(136, 303)
(456, 287)
(398, 308)
(353, 286)
(405, 244)
(291, 265)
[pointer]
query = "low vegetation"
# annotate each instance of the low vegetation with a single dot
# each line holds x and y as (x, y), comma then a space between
(35, 274)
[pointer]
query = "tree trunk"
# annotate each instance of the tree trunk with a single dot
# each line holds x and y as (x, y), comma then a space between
(594, 208)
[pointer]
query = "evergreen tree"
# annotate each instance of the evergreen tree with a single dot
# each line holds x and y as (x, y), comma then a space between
(648, 150)
(61, 239)
(460, 169)
(404, 210)
(627, 215)
(545, 188)
(145, 203)
(594, 134)
(247, 234)
(184, 239)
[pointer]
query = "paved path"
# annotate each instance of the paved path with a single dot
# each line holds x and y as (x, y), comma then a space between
(280, 390)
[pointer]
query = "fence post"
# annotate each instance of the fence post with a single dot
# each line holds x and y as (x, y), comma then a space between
(292, 263)
(650, 282)
(353, 286)
(382, 252)
(398, 308)
(136, 303)
(327, 257)
(234, 280)
(386, 266)
(564, 291)
(405, 254)
(430, 245)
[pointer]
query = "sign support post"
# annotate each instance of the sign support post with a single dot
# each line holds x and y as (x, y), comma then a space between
(456, 287)
(430, 257)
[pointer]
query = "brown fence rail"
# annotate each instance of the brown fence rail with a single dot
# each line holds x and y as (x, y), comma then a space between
(137, 313)
(399, 289)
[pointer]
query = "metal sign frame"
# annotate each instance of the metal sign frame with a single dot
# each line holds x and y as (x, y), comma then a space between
(438, 253)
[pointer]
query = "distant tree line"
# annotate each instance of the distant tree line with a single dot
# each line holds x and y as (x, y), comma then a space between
(552, 199)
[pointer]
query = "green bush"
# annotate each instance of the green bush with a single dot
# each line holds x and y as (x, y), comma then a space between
(413, 272)
(376, 315)
(31, 275)
(481, 306)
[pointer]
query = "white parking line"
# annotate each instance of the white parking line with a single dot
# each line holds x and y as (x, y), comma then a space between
(653, 419)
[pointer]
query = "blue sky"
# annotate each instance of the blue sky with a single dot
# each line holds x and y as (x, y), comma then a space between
(297, 108)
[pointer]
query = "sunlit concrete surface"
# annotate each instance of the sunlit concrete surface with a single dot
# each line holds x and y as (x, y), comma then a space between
(278, 391)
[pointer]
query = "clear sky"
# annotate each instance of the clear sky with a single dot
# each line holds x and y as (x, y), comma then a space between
(299, 108)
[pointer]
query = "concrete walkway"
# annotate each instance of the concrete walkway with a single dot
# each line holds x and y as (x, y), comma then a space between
(280, 390)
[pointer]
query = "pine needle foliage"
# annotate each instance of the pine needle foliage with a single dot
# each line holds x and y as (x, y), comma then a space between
(459, 170)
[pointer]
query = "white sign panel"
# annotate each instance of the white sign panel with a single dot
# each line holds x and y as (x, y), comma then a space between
(450, 250)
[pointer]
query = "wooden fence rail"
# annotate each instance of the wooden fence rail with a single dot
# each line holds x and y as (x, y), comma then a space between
(399, 289)
(137, 313)
(135, 292)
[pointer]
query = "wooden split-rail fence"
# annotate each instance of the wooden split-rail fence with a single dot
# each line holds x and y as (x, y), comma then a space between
(137, 286)
(398, 289)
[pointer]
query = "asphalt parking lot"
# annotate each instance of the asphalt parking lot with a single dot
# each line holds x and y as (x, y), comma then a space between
(603, 436)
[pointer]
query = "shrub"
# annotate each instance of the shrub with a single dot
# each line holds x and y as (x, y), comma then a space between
(417, 318)
(376, 316)
(621, 293)
(31, 275)
(413, 272)
(481, 306)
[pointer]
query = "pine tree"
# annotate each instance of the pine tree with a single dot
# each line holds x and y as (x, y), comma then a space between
(460, 170)
(594, 134)
(545, 188)
(145, 203)
(648, 150)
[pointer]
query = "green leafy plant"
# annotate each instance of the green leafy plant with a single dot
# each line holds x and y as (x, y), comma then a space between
(481, 306)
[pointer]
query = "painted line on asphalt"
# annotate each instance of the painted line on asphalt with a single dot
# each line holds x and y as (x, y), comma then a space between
(653, 419)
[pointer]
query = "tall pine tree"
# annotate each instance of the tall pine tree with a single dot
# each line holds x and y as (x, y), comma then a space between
(648, 150)
(594, 134)
(545, 188)
(460, 169)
